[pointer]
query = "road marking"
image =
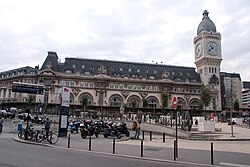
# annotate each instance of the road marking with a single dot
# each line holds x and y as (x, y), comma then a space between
(234, 165)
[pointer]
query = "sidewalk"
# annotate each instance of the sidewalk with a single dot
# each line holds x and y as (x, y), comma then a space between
(189, 150)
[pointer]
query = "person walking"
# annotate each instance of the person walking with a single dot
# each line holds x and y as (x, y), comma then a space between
(136, 127)
(47, 127)
(137, 130)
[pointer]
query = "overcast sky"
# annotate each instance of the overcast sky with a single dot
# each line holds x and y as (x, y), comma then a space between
(146, 31)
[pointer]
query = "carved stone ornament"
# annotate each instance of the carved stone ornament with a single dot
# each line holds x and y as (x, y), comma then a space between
(76, 91)
(125, 94)
(49, 66)
(102, 70)
(143, 94)
(165, 75)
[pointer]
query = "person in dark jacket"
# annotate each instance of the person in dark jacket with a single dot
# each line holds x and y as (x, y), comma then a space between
(47, 126)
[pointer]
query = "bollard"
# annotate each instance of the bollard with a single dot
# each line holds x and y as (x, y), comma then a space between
(69, 141)
(141, 148)
(150, 136)
(90, 143)
(212, 154)
(143, 135)
(164, 137)
(114, 146)
(174, 150)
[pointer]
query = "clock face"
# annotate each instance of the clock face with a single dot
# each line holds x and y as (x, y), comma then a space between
(212, 48)
(198, 50)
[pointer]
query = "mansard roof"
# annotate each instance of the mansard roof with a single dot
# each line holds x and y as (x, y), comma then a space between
(18, 71)
(84, 66)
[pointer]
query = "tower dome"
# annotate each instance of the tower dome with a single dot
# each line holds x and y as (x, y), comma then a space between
(206, 24)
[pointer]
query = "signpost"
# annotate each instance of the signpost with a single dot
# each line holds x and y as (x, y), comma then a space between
(64, 112)
(176, 130)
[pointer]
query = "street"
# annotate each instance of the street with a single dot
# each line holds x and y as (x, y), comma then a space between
(14, 154)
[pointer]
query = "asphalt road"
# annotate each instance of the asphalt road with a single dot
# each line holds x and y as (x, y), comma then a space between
(14, 154)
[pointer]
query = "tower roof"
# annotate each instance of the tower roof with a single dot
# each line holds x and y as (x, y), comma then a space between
(206, 24)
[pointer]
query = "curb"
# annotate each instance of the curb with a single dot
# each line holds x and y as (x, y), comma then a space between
(117, 155)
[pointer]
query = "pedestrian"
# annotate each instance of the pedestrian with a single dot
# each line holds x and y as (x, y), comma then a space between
(190, 124)
(47, 126)
(1, 124)
(136, 127)
(137, 130)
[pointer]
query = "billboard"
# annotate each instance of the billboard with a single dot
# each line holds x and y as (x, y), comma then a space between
(65, 96)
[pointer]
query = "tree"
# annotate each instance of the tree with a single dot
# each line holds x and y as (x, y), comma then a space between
(236, 105)
(133, 104)
(144, 103)
(164, 100)
(206, 96)
(84, 103)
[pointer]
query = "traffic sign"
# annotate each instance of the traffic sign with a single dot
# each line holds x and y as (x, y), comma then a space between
(175, 103)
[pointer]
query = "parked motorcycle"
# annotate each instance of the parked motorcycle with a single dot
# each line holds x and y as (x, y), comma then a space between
(112, 131)
(88, 130)
(74, 126)
(122, 128)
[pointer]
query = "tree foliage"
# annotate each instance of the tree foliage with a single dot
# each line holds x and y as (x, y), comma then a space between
(206, 96)
(236, 105)
(133, 104)
(144, 103)
(84, 103)
(164, 100)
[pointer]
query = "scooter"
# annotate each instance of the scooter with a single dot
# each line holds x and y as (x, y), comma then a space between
(74, 126)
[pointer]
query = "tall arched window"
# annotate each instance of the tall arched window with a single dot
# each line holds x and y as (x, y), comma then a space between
(89, 97)
(152, 102)
(115, 101)
(134, 100)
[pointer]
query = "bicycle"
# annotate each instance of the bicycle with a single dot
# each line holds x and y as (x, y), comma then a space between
(31, 133)
(52, 138)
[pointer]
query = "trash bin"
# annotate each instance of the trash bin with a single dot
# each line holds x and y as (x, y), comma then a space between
(19, 126)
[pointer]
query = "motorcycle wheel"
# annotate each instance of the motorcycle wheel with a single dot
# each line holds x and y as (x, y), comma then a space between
(106, 135)
(84, 135)
(96, 135)
(119, 136)
(127, 134)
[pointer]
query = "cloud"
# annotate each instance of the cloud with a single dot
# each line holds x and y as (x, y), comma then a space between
(137, 31)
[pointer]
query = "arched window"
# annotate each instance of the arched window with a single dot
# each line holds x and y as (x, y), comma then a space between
(89, 99)
(115, 101)
(134, 100)
(194, 103)
(152, 102)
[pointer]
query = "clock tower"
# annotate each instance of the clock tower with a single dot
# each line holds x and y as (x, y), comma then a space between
(208, 57)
